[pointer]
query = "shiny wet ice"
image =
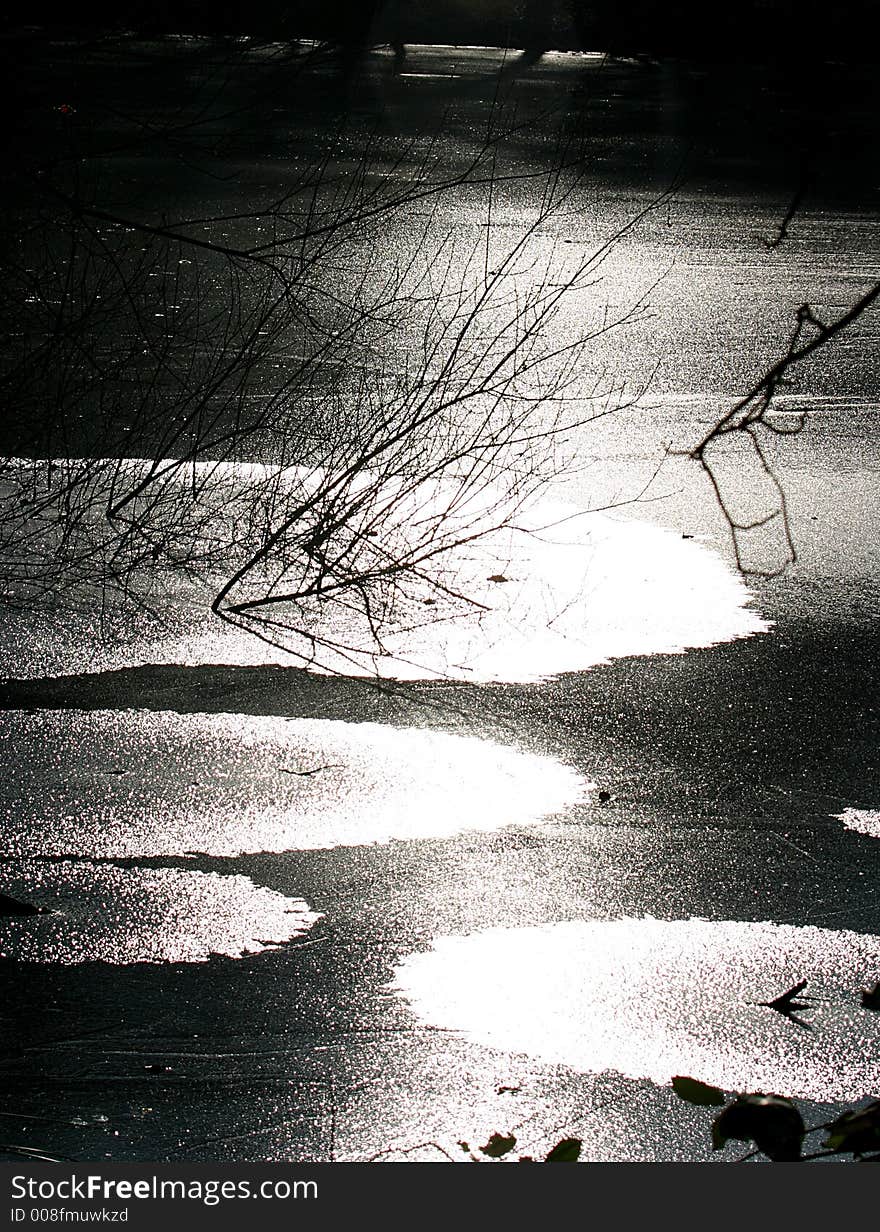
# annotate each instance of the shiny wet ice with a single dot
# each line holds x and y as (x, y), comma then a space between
(653, 998)
(106, 913)
(137, 783)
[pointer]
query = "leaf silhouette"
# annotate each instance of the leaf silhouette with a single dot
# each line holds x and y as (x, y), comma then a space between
(857, 1130)
(786, 1003)
(771, 1122)
(694, 1092)
(498, 1145)
(565, 1152)
(871, 997)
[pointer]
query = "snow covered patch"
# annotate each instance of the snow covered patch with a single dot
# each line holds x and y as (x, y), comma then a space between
(104, 913)
(655, 998)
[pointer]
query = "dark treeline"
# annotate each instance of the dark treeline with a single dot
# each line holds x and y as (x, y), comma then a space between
(742, 29)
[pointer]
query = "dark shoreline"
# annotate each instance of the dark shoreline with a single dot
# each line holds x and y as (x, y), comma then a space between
(752, 30)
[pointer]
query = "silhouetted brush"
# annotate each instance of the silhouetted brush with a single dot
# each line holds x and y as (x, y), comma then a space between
(786, 1002)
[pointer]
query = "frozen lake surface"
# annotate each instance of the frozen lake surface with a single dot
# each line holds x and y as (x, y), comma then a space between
(557, 839)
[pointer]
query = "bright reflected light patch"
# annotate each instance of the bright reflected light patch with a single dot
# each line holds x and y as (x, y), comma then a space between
(652, 998)
(523, 594)
(864, 821)
(565, 592)
(136, 783)
(103, 913)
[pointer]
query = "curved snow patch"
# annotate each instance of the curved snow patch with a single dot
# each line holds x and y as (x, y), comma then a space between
(104, 913)
(863, 821)
(140, 783)
(652, 998)
(503, 594)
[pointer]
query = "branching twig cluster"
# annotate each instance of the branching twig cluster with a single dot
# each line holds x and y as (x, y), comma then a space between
(279, 406)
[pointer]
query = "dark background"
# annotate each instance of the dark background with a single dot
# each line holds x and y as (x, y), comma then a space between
(747, 30)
